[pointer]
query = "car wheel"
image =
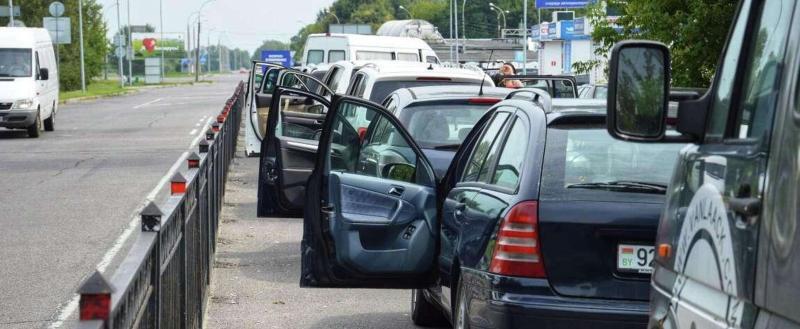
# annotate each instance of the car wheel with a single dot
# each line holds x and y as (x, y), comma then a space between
(460, 313)
(50, 123)
(423, 312)
(35, 129)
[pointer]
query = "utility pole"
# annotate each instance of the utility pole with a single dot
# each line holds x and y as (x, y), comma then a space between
(197, 53)
(208, 52)
(80, 39)
(119, 46)
(455, 21)
(129, 48)
(11, 12)
(219, 53)
(161, 27)
(525, 37)
(451, 28)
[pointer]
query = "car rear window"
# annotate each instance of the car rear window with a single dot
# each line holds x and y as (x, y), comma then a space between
(581, 155)
(442, 125)
(381, 89)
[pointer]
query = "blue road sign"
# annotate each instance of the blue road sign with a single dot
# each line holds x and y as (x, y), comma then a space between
(203, 58)
(283, 57)
(542, 4)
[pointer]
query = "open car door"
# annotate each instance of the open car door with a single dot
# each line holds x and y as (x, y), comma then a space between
(289, 150)
(263, 76)
(370, 215)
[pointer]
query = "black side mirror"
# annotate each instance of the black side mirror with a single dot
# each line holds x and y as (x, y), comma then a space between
(399, 171)
(638, 91)
(44, 74)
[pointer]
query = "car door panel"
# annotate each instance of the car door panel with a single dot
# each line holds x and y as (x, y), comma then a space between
(362, 229)
(382, 232)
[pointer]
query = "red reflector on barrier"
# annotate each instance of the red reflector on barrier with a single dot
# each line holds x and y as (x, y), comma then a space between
(177, 184)
(221, 118)
(95, 307)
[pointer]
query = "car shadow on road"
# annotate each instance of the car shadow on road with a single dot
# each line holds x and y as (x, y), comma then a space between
(13, 134)
(398, 320)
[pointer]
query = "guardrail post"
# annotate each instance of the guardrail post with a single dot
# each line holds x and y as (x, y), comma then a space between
(202, 146)
(95, 302)
(151, 222)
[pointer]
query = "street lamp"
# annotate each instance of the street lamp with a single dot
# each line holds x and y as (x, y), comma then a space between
(498, 20)
(407, 12)
(337, 17)
(501, 11)
(197, 52)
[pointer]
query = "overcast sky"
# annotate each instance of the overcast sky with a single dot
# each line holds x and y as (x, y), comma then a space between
(246, 22)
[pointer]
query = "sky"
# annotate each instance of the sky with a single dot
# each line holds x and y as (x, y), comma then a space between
(236, 23)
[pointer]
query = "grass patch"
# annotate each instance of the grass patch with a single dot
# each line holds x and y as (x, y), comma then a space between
(95, 88)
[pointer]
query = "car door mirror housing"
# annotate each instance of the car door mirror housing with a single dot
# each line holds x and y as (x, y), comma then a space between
(44, 74)
(638, 91)
(403, 172)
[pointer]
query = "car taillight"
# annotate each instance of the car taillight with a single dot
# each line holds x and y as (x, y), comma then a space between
(486, 101)
(433, 79)
(517, 250)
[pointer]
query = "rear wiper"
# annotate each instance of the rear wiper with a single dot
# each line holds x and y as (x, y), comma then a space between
(447, 147)
(630, 186)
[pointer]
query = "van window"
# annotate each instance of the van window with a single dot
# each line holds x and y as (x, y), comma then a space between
(315, 57)
(432, 59)
(762, 78)
(408, 57)
(373, 55)
(15, 62)
(38, 66)
(335, 56)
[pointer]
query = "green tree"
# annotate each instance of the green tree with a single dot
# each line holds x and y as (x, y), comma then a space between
(694, 30)
(268, 45)
(94, 35)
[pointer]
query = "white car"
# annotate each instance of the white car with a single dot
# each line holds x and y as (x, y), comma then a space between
(28, 80)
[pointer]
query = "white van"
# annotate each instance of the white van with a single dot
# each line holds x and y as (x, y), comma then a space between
(28, 80)
(334, 47)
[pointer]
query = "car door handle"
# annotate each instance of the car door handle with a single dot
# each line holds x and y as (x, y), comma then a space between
(747, 207)
(396, 191)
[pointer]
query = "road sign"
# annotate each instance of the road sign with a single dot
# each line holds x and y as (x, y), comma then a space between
(120, 40)
(152, 70)
(4, 11)
(56, 9)
(59, 28)
(283, 57)
(542, 4)
(203, 59)
(119, 52)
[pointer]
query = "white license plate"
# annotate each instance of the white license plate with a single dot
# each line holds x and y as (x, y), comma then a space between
(635, 258)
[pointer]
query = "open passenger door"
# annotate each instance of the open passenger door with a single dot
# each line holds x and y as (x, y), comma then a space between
(257, 103)
(370, 215)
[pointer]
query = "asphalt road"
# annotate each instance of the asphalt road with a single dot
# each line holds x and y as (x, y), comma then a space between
(255, 282)
(67, 197)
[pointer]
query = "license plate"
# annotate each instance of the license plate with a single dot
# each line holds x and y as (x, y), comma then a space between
(635, 258)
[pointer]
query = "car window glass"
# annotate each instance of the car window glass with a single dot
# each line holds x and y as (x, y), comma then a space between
(408, 57)
(315, 57)
(376, 150)
(478, 158)
(601, 92)
(441, 126)
(727, 75)
(373, 55)
(36, 72)
(335, 76)
(335, 56)
(564, 89)
(431, 59)
(509, 167)
(762, 78)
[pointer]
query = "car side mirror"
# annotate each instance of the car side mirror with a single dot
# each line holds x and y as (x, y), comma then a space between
(403, 172)
(44, 74)
(638, 91)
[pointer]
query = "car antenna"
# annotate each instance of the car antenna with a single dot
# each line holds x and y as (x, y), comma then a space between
(480, 92)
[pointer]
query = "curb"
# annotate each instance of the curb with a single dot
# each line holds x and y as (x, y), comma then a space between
(132, 91)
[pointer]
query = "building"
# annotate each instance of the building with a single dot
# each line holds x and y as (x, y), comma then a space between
(564, 43)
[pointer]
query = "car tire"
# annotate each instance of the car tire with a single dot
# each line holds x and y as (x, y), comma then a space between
(35, 129)
(50, 123)
(460, 311)
(423, 312)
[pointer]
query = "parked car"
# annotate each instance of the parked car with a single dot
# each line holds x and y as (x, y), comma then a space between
(28, 80)
(334, 47)
(537, 222)
(593, 91)
(728, 244)
(291, 144)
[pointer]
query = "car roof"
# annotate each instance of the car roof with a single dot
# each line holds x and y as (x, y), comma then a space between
(416, 94)
(22, 37)
(576, 110)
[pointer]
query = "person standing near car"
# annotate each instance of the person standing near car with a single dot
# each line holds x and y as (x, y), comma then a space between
(508, 69)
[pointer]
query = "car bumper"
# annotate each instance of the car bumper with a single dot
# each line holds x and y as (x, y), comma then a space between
(504, 302)
(17, 118)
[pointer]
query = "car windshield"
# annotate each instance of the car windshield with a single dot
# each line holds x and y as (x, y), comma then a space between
(587, 157)
(15, 63)
(381, 89)
(441, 126)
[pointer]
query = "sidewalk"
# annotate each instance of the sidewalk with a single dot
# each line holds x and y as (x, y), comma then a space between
(256, 275)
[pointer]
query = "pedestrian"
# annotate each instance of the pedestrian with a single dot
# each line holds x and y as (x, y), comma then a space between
(508, 69)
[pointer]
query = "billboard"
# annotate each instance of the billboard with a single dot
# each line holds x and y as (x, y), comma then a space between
(282, 57)
(150, 44)
(544, 4)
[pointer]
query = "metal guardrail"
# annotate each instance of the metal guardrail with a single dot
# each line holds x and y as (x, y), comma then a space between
(163, 281)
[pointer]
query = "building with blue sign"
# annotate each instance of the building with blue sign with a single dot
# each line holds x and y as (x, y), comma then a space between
(282, 57)
(563, 43)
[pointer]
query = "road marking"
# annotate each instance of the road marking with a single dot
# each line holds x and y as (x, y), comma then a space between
(148, 103)
(194, 131)
(72, 305)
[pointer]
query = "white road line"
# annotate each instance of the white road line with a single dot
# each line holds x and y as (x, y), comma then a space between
(72, 305)
(148, 103)
(194, 131)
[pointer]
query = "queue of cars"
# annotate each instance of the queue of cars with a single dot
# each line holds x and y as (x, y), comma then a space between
(512, 208)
